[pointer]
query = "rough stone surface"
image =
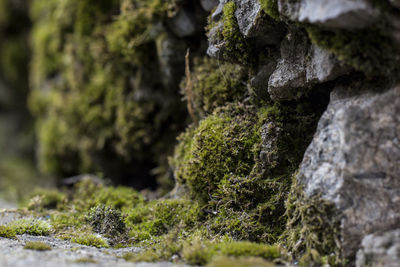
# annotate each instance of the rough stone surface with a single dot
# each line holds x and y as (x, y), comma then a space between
(344, 14)
(247, 14)
(380, 250)
(354, 161)
(208, 5)
(301, 65)
(64, 253)
(183, 24)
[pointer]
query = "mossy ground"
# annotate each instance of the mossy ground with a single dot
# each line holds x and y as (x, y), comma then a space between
(41, 246)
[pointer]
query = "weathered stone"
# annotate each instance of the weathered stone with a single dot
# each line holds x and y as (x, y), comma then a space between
(344, 14)
(259, 83)
(380, 250)
(290, 73)
(171, 53)
(247, 14)
(301, 65)
(323, 66)
(208, 5)
(354, 161)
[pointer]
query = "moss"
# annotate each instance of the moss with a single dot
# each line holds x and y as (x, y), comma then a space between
(88, 239)
(237, 47)
(85, 260)
(107, 221)
(225, 168)
(7, 232)
(159, 217)
(201, 253)
(46, 199)
(37, 245)
(215, 83)
(311, 233)
(31, 227)
(224, 261)
(270, 7)
(105, 108)
(371, 50)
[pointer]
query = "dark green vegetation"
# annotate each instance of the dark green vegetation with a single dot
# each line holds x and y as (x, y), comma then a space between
(37, 246)
(105, 87)
(270, 7)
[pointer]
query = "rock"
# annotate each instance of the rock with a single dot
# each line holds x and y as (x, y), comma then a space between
(342, 14)
(183, 24)
(171, 57)
(354, 161)
(381, 249)
(323, 66)
(247, 13)
(208, 5)
(259, 83)
(290, 73)
(252, 24)
(301, 66)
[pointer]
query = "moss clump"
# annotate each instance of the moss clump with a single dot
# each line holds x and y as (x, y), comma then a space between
(224, 261)
(88, 239)
(107, 221)
(214, 84)
(311, 233)
(46, 199)
(159, 217)
(201, 253)
(37, 245)
(85, 260)
(30, 227)
(237, 47)
(7, 232)
(270, 7)
(371, 50)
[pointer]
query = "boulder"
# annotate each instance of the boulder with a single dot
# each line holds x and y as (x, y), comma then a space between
(354, 161)
(342, 14)
(380, 249)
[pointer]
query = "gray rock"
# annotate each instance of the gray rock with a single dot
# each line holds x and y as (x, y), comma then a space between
(323, 66)
(183, 24)
(262, 29)
(396, 3)
(301, 65)
(247, 13)
(380, 250)
(290, 73)
(65, 254)
(171, 57)
(343, 14)
(354, 161)
(208, 5)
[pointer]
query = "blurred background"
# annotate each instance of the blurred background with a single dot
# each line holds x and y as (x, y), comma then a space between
(93, 86)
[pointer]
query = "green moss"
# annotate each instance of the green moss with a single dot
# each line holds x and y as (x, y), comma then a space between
(85, 260)
(311, 232)
(371, 50)
(46, 199)
(90, 240)
(106, 221)
(270, 7)
(201, 253)
(7, 231)
(30, 227)
(214, 84)
(223, 261)
(237, 47)
(159, 217)
(37, 245)
(104, 109)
